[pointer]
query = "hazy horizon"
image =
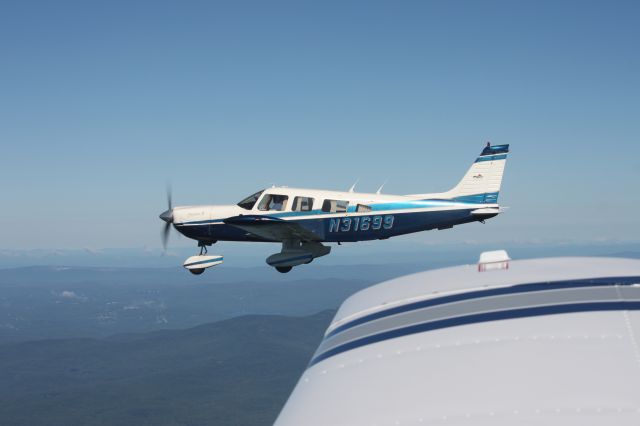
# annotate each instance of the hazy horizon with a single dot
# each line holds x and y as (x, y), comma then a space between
(242, 255)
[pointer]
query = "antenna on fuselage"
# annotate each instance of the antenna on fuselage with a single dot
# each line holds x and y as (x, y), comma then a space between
(353, 187)
(382, 186)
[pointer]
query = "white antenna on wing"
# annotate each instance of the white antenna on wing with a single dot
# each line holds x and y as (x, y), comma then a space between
(382, 186)
(354, 185)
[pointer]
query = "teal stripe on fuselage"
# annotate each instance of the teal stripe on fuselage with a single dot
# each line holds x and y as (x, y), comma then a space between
(487, 198)
(382, 207)
(418, 204)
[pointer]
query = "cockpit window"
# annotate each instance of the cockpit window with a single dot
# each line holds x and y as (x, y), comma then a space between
(273, 202)
(250, 201)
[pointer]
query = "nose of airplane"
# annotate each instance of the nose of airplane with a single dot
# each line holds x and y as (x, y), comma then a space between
(167, 215)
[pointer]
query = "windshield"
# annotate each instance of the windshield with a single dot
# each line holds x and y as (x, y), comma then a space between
(250, 201)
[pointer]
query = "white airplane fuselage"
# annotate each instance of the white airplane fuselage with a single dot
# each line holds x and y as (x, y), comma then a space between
(367, 216)
(303, 219)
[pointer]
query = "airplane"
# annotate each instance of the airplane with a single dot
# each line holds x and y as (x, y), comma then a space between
(547, 341)
(303, 219)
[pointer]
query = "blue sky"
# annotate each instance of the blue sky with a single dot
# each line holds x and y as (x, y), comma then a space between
(101, 103)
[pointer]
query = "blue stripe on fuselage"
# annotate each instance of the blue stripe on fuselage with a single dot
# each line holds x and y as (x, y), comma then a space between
(402, 223)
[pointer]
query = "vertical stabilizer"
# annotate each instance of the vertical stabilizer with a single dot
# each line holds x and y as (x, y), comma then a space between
(481, 183)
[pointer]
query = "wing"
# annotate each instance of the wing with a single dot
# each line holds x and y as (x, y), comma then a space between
(544, 342)
(272, 228)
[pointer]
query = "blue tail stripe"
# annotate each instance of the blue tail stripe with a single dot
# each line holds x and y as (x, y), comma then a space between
(496, 149)
(491, 158)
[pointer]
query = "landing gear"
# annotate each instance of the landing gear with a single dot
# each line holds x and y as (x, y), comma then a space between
(296, 252)
(203, 248)
(196, 271)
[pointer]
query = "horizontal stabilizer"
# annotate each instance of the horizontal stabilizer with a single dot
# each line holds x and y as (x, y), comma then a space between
(488, 212)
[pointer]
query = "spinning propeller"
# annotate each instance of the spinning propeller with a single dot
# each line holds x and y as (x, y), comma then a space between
(167, 216)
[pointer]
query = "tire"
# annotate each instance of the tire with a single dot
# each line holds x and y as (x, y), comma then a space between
(283, 269)
(196, 271)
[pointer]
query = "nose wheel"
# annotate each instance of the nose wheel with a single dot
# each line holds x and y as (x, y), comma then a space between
(283, 269)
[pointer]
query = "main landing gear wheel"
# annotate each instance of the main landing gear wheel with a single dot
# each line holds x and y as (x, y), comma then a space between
(283, 269)
(196, 271)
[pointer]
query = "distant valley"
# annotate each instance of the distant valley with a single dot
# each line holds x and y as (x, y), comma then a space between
(62, 302)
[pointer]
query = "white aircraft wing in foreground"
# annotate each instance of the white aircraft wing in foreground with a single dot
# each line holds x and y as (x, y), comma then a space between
(534, 342)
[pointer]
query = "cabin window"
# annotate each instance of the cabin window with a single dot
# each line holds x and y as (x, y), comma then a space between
(302, 204)
(335, 206)
(363, 208)
(250, 201)
(273, 202)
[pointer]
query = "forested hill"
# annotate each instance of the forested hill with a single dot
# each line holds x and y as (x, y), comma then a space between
(233, 372)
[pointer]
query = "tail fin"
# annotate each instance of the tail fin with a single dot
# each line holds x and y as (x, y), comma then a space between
(481, 183)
